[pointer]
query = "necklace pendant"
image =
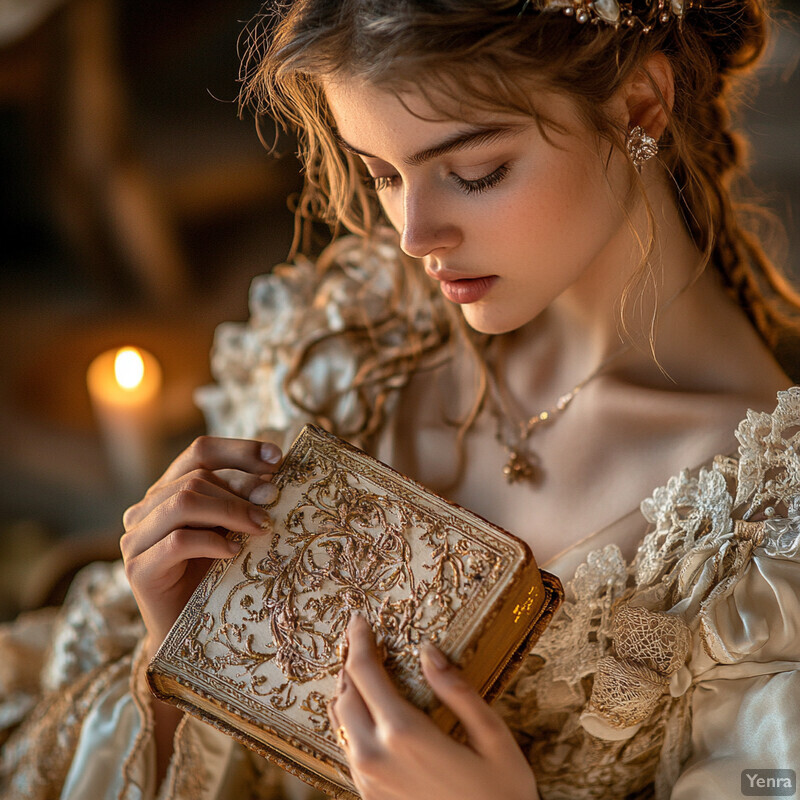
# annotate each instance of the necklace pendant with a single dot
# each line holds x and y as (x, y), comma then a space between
(518, 468)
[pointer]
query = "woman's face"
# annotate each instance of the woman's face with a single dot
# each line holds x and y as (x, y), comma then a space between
(507, 221)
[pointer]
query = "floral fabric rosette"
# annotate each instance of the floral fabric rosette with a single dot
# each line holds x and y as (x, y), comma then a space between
(298, 306)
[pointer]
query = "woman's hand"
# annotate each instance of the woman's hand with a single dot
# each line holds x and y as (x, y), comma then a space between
(171, 535)
(396, 752)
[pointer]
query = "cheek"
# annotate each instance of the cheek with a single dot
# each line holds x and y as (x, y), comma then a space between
(562, 216)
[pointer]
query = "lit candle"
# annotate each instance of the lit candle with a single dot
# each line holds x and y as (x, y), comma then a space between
(125, 388)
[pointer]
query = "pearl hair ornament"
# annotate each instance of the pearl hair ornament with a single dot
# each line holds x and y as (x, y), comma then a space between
(617, 13)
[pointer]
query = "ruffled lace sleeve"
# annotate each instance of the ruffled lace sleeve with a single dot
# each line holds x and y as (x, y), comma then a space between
(297, 308)
(58, 666)
(723, 562)
(739, 586)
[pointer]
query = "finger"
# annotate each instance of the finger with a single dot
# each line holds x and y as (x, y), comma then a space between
(336, 724)
(242, 483)
(351, 713)
(364, 667)
(487, 732)
(342, 739)
(214, 452)
(333, 717)
(202, 481)
(188, 509)
(184, 544)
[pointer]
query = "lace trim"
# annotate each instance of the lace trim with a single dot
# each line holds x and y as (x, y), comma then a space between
(187, 776)
(613, 661)
(23, 645)
(98, 624)
(768, 463)
(89, 650)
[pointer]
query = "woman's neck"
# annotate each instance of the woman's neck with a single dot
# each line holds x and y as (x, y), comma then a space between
(701, 339)
(591, 307)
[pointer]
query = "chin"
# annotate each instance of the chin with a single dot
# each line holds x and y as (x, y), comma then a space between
(489, 323)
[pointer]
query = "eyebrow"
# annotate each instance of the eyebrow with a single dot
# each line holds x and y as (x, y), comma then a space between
(458, 141)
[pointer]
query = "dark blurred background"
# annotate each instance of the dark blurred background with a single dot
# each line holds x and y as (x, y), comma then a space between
(135, 208)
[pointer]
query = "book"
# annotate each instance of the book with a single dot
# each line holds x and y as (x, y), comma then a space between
(258, 647)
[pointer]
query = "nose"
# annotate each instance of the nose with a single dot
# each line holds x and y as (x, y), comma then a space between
(426, 227)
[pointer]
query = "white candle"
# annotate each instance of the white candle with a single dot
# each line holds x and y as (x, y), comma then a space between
(125, 389)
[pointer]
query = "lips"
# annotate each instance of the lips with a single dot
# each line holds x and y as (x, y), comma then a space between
(462, 288)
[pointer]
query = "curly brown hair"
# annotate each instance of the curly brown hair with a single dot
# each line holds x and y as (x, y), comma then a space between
(400, 44)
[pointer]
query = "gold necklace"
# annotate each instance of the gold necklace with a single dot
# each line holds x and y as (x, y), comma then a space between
(521, 464)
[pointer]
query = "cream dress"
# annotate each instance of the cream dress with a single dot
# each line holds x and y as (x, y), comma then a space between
(669, 669)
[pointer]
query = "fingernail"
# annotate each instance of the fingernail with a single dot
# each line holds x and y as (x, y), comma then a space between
(233, 546)
(259, 516)
(434, 656)
(264, 493)
(270, 453)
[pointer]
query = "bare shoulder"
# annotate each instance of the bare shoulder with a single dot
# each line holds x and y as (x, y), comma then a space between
(683, 419)
(640, 436)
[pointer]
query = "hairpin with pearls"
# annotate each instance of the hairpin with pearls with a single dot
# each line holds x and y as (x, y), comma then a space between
(617, 13)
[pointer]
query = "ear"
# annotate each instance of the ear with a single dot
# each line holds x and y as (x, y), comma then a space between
(649, 95)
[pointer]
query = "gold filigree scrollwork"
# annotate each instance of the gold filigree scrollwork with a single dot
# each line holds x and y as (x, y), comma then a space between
(316, 705)
(343, 546)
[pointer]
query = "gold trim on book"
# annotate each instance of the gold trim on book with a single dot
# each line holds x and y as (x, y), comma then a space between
(259, 645)
(335, 787)
(521, 609)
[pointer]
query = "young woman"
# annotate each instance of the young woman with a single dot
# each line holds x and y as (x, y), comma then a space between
(548, 310)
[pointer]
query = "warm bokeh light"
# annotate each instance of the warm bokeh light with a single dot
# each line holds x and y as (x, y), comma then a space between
(125, 389)
(128, 367)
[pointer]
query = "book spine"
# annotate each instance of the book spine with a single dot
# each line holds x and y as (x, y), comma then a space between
(512, 631)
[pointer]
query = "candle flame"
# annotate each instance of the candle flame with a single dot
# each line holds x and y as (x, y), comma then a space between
(128, 367)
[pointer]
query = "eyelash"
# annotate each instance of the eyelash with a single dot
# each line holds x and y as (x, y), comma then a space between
(468, 187)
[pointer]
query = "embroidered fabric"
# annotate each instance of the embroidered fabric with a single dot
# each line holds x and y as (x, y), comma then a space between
(72, 686)
(38, 755)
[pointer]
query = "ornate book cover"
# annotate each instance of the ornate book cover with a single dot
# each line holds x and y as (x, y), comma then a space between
(257, 649)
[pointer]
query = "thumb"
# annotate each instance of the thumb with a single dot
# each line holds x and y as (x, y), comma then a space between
(487, 732)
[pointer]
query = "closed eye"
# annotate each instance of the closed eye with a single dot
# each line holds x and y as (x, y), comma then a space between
(486, 182)
(476, 186)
